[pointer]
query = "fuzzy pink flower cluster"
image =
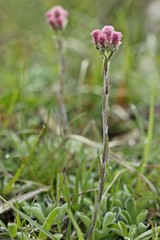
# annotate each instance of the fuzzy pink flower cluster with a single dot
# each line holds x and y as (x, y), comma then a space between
(106, 38)
(57, 17)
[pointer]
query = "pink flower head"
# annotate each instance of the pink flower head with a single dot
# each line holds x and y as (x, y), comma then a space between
(106, 39)
(107, 30)
(95, 35)
(98, 38)
(57, 17)
(116, 40)
(102, 39)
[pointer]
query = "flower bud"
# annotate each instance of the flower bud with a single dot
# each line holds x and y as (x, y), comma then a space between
(95, 36)
(107, 30)
(116, 40)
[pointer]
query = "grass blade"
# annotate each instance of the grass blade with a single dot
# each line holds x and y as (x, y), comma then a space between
(78, 230)
(8, 188)
(148, 141)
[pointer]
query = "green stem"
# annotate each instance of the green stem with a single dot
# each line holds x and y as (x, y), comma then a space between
(105, 118)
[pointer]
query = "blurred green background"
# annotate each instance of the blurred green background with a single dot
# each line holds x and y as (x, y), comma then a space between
(31, 155)
(28, 51)
(29, 68)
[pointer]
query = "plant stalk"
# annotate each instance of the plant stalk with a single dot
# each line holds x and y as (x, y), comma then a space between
(62, 64)
(105, 152)
(105, 120)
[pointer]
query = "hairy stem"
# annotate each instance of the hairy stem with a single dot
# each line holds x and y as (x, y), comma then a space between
(105, 117)
(62, 106)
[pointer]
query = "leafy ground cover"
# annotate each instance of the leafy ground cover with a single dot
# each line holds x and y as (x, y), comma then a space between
(48, 179)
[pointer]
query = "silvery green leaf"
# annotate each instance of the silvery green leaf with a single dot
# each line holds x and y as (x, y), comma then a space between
(37, 212)
(22, 236)
(142, 216)
(130, 205)
(57, 236)
(126, 217)
(115, 228)
(85, 219)
(141, 228)
(132, 231)
(123, 228)
(12, 229)
(108, 219)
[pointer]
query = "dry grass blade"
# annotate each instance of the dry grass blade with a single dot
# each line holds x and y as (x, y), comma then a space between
(5, 207)
(114, 156)
(93, 143)
(134, 171)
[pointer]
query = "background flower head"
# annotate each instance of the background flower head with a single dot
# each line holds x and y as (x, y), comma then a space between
(57, 17)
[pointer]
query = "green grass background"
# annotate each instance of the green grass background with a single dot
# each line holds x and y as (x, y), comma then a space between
(29, 73)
